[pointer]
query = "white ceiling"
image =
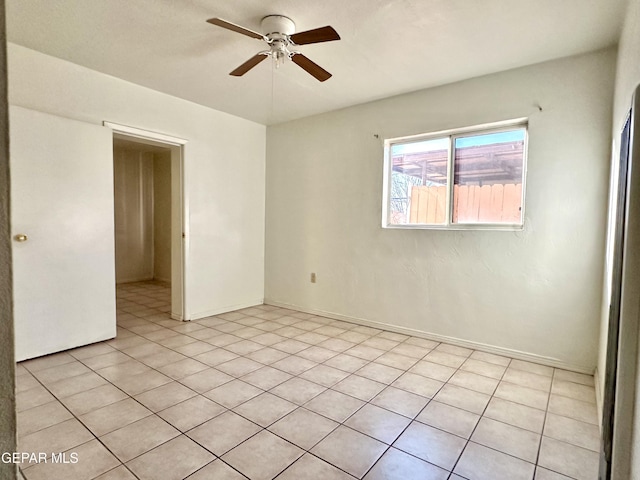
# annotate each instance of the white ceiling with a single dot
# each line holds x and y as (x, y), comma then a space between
(388, 47)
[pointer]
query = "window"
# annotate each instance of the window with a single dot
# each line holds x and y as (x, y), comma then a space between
(469, 178)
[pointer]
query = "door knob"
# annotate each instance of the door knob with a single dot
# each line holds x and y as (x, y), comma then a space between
(21, 237)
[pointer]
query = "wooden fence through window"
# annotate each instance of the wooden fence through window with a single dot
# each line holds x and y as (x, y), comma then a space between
(471, 204)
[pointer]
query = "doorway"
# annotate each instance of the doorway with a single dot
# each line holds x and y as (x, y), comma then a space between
(148, 214)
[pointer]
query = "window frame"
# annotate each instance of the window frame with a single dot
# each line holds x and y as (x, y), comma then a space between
(452, 135)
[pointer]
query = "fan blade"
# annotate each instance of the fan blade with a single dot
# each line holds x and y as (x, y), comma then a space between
(310, 67)
(248, 65)
(235, 28)
(323, 34)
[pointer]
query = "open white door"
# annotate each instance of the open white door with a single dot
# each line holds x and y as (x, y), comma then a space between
(62, 202)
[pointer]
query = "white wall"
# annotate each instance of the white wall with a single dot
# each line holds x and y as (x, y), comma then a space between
(133, 186)
(537, 291)
(224, 168)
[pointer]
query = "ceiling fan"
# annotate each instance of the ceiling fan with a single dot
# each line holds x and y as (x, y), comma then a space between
(281, 37)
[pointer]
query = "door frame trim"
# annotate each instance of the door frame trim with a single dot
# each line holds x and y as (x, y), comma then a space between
(171, 141)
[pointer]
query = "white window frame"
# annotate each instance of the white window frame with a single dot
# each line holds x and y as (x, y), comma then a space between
(453, 134)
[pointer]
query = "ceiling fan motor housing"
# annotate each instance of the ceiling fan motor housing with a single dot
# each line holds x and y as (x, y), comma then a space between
(278, 24)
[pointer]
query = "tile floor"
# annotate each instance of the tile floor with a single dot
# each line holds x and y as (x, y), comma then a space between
(266, 393)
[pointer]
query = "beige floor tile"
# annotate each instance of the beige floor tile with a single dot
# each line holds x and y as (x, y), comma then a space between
(444, 358)
(165, 396)
(161, 461)
(263, 456)
(268, 339)
(48, 361)
(106, 360)
(206, 380)
(396, 360)
(346, 362)
(194, 348)
(26, 382)
(359, 387)
(532, 368)
(34, 397)
(576, 391)
(191, 413)
(43, 416)
(290, 346)
(575, 462)
(430, 444)
(92, 399)
(298, 390)
(216, 470)
(491, 358)
(400, 401)
(118, 473)
(294, 365)
(336, 344)
(267, 355)
(324, 375)
(409, 350)
(380, 373)
(507, 439)
(380, 343)
(265, 409)
(183, 368)
(448, 418)
(56, 438)
(485, 369)
(224, 432)
(177, 340)
(475, 382)
(481, 463)
(93, 460)
(114, 416)
(378, 423)
(363, 351)
(244, 347)
(303, 428)
(124, 369)
(138, 437)
(80, 383)
(317, 354)
(576, 409)
(463, 398)
(266, 377)
(60, 372)
(91, 351)
(334, 405)
(425, 387)
(158, 360)
(353, 337)
(574, 377)
(349, 450)
(397, 465)
(135, 384)
(527, 379)
(233, 393)
(422, 342)
(572, 431)
(515, 414)
(433, 370)
(544, 474)
(523, 395)
(454, 350)
(215, 357)
(309, 467)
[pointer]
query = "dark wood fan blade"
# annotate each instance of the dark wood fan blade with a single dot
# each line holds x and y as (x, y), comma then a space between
(317, 35)
(310, 67)
(248, 65)
(235, 28)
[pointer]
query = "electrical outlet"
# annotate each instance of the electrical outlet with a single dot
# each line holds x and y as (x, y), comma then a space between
(313, 277)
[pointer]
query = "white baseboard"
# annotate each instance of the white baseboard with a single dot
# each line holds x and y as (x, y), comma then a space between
(229, 308)
(483, 347)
